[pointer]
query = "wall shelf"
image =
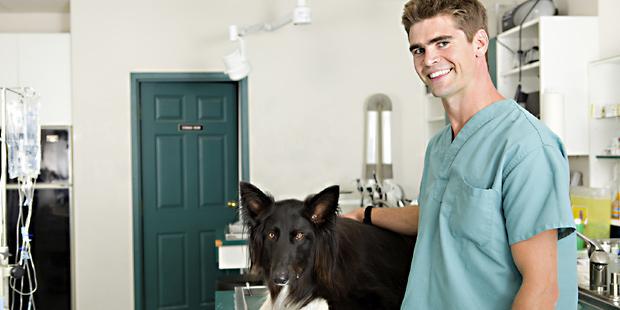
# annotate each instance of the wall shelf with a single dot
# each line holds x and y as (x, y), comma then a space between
(515, 30)
(608, 156)
(524, 69)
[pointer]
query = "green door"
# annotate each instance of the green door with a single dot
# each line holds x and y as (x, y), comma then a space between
(189, 172)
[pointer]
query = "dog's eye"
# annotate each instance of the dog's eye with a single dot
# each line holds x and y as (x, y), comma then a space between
(299, 236)
(271, 235)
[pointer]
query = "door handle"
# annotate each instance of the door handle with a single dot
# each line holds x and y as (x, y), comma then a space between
(232, 204)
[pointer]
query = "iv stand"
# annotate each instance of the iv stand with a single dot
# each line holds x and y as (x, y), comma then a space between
(4, 249)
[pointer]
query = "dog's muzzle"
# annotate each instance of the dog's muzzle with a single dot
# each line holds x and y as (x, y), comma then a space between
(280, 279)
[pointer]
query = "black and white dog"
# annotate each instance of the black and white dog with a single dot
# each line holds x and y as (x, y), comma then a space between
(308, 255)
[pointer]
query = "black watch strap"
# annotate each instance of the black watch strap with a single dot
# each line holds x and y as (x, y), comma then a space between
(367, 214)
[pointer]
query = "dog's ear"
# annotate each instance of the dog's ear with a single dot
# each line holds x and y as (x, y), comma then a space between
(323, 206)
(253, 200)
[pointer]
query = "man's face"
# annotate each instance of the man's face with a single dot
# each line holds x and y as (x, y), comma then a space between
(443, 57)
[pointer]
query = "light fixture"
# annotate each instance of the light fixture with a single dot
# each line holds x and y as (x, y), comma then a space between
(236, 63)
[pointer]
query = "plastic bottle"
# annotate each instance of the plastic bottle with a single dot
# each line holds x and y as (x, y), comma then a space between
(615, 196)
(580, 226)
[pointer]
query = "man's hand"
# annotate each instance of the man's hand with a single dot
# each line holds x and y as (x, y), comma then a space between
(356, 215)
(536, 258)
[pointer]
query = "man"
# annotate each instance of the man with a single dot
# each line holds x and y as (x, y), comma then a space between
(494, 205)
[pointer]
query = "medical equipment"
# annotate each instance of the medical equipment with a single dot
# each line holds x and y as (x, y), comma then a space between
(236, 63)
(377, 173)
(378, 142)
(521, 13)
(21, 152)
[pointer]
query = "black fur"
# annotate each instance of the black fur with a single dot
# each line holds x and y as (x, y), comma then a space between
(349, 264)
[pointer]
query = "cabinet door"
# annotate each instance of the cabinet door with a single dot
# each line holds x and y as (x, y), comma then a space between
(8, 60)
(45, 65)
(563, 69)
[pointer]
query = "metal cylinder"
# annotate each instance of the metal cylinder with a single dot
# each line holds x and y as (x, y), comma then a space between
(598, 277)
(614, 286)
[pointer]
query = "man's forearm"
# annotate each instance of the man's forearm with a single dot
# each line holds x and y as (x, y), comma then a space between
(536, 259)
(401, 220)
(534, 296)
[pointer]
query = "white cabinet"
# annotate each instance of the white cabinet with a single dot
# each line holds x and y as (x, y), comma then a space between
(43, 62)
(566, 44)
(604, 91)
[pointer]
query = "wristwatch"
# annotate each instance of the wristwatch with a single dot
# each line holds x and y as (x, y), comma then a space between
(367, 214)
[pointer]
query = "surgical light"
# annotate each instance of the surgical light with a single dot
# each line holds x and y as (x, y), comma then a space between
(236, 63)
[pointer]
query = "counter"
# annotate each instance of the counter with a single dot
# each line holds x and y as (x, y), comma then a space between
(589, 300)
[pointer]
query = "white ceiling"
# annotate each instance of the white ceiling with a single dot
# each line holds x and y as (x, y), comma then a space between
(23, 6)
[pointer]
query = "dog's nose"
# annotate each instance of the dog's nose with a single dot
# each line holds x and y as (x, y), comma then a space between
(281, 278)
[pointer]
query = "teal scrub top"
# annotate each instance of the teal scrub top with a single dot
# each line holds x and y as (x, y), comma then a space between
(503, 179)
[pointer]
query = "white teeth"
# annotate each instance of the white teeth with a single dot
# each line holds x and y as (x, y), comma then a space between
(438, 73)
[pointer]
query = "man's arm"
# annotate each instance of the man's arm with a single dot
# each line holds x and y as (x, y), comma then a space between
(536, 259)
(401, 220)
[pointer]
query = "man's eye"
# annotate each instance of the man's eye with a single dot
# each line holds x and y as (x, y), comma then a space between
(299, 236)
(271, 235)
(417, 51)
(443, 43)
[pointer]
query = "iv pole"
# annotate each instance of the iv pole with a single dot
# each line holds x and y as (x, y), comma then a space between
(5, 268)
(4, 249)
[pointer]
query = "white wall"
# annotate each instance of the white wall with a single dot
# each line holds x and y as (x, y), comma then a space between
(34, 22)
(306, 95)
(609, 23)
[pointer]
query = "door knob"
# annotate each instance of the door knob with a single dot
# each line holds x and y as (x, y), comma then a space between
(232, 204)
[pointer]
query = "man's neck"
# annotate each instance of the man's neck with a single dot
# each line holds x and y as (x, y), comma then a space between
(463, 105)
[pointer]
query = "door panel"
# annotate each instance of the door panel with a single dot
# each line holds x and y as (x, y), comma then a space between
(187, 176)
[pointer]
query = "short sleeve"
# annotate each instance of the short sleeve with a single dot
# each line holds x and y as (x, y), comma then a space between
(536, 195)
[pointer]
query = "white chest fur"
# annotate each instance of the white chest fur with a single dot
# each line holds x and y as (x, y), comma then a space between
(280, 303)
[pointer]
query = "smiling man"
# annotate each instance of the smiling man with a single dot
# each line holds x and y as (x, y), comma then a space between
(494, 225)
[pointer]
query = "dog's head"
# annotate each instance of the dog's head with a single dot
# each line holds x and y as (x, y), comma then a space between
(288, 237)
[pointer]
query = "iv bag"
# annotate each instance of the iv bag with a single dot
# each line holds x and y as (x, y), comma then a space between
(23, 137)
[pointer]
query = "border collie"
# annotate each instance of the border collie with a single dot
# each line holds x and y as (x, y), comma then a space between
(309, 256)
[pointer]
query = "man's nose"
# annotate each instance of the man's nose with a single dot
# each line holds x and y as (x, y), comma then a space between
(430, 58)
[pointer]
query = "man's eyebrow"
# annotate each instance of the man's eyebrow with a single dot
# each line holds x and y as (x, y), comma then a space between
(433, 40)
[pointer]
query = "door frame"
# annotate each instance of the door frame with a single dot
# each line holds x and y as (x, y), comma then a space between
(136, 177)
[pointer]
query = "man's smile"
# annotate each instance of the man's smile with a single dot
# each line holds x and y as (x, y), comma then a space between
(439, 74)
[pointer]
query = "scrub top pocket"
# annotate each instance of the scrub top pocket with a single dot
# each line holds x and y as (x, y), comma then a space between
(470, 211)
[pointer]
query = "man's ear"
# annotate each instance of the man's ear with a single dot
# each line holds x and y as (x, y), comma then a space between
(253, 201)
(480, 43)
(323, 207)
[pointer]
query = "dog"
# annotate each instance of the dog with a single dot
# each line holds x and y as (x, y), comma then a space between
(310, 257)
